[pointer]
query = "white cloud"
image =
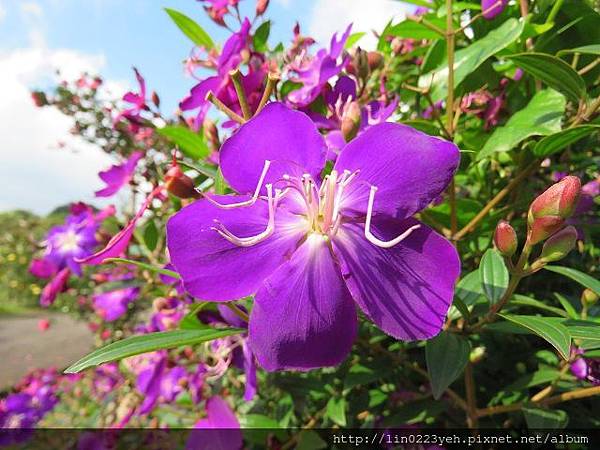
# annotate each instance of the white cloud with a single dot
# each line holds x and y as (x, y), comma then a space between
(329, 16)
(36, 174)
(2, 12)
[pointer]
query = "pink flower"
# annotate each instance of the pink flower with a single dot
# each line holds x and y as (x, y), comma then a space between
(118, 176)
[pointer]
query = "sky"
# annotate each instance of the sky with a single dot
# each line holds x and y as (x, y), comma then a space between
(109, 37)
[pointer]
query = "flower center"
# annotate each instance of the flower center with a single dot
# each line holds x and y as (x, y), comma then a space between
(68, 241)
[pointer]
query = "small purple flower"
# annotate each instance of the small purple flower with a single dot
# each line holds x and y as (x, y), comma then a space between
(218, 9)
(113, 304)
(492, 8)
(137, 102)
(587, 369)
(310, 248)
(219, 430)
(118, 176)
(315, 71)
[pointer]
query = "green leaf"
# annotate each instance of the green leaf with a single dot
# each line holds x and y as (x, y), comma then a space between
(553, 71)
(257, 421)
(468, 59)
(289, 86)
(567, 305)
(145, 343)
(142, 265)
(419, 411)
(336, 410)
(151, 235)
(539, 418)
(353, 39)
(533, 379)
(310, 440)
(190, 321)
(259, 40)
(414, 30)
(554, 333)
(190, 143)
(582, 278)
(447, 355)
(469, 291)
(493, 275)
(542, 116)
(191, 29)
(581, 329)
(522, 300)
(593, 49)
(359, 375)
(557, 141)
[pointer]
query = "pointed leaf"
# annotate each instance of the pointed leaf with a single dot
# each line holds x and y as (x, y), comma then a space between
(493, 275)
(553, 71)
(557, 141)
(553, 332)
(190, 143)
(540, 419)
(191, 29)
(447, 355)
(142, 265)
(468, 59)
(593, 49)
(542, 116)
(582, 278)
(145, 343)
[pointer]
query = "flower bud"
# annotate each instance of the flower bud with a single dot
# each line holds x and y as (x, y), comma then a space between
(559, 245)
(375, 60)
(560, 200)
(505, 239)
(155, 99)
(39, 98)
(261, 7)
(589, 297)
(361, 62)
(544, 227)
(211, 133)
(477, 354)
(179, 184)
(351, 121)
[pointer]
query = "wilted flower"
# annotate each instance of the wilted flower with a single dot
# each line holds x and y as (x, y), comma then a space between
(310, 247)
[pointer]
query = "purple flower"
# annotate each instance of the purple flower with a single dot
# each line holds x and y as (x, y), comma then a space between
(118, 176)
(309, 248)
(492, 8)
(113, 304)
(218, 431)
(587, 369)
(218, 9)
(56, 285)
(315, 71)
(41, 268)
(137, 102)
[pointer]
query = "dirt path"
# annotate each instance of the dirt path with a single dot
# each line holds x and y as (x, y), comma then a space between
(24, 347)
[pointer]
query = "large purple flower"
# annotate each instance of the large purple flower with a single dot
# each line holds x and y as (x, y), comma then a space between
(309, 248)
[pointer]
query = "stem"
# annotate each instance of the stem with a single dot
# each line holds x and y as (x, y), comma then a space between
(575, 61)
(497, 199)
(476, 17)
(450, 108)
(564, 397)
(554, 11)
(241, 314)
(272, 80)
(224, 108)
(236, 77)
(472, 420)
(589, 67)
(524, 5)
(425, 23)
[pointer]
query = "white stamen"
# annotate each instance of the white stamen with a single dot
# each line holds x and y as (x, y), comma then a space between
(253, 240)
(249, 202)
(372, 239)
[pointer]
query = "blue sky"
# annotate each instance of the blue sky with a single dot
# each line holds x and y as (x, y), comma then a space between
(109, 37)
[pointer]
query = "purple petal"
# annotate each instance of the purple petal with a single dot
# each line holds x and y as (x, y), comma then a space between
(42, 268)
(278, 134)
(198, 93)
(303, 316)
(218, 431)
(250, 371)
(337, 45)
(118, 175)
(211, 267)
(489, 12)
(408, 167)
(405, 290)
(57, 285)
(113, 304)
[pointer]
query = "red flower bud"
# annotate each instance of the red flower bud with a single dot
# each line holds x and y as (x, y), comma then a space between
(179, 184)
(155, 99)
(505, 239)
(560, 199)
(39, 98)
(375, 60)
(544, 227)
(559, 245)
(261, 7)
(351, 121)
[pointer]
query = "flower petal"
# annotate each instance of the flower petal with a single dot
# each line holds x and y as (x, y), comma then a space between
(405, 290)
(218, 431)
(303, 317)
(408, 167)
(286, 137)
(211, 267)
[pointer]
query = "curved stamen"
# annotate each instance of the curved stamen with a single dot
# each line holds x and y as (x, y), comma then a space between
(249, 202)
(253, 240)
(372, 239)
